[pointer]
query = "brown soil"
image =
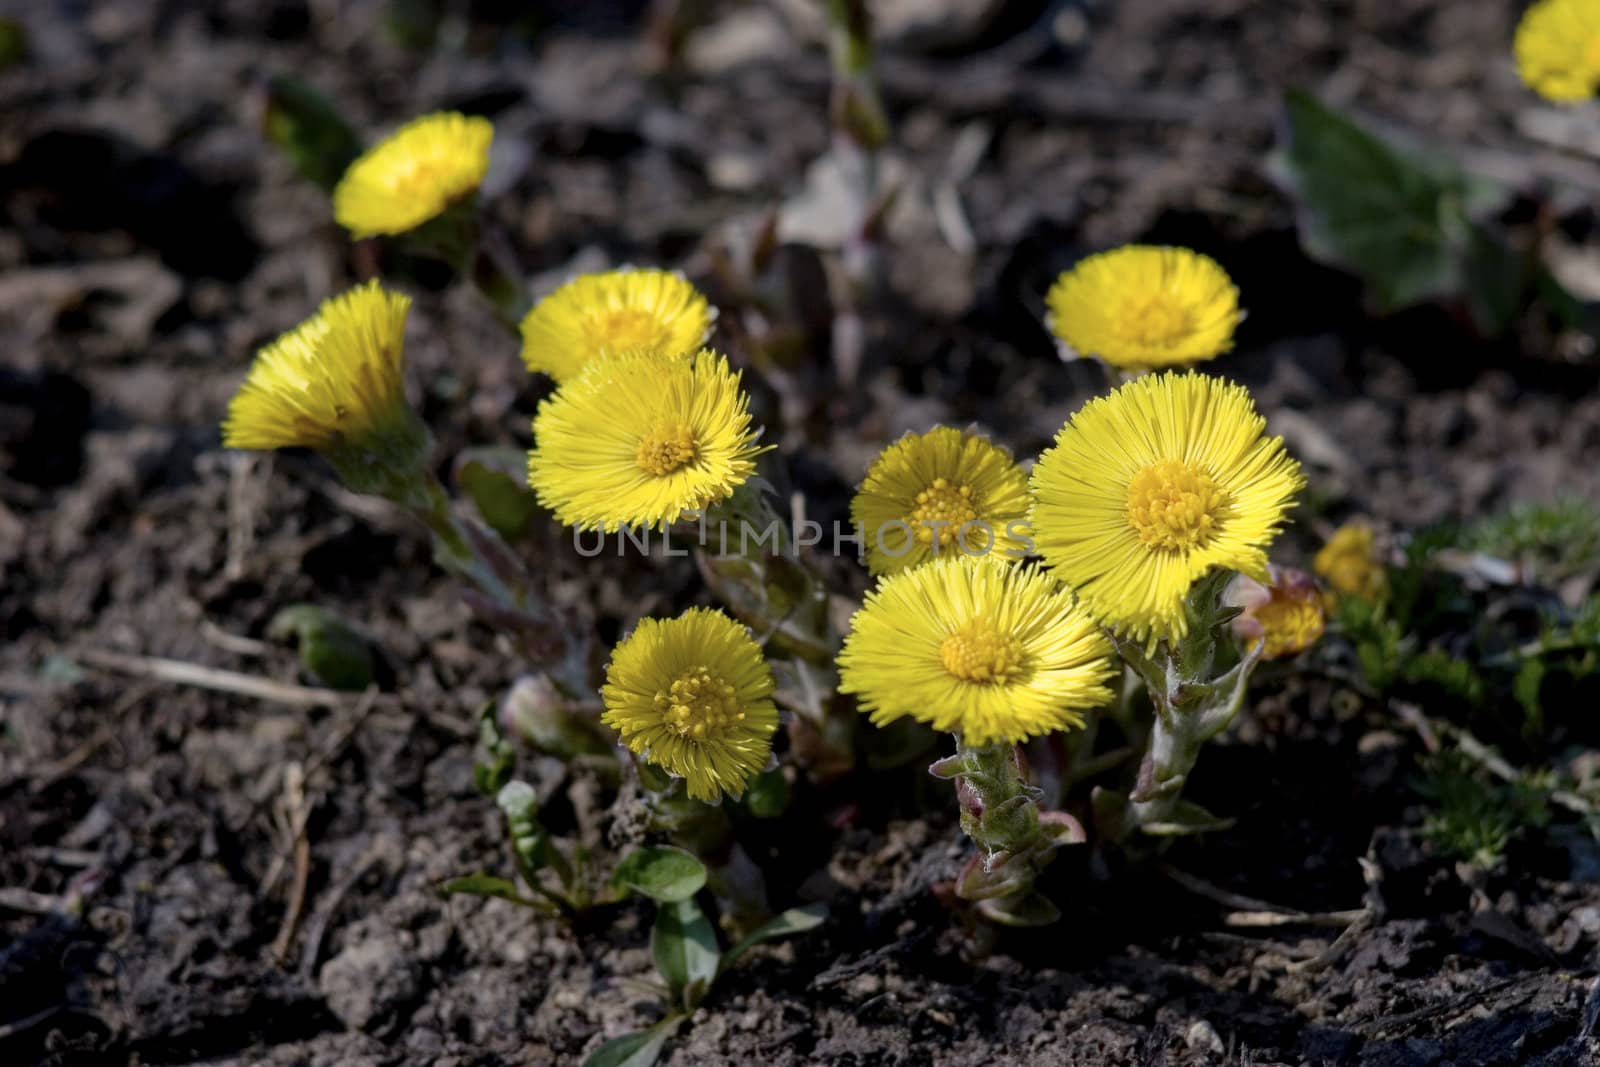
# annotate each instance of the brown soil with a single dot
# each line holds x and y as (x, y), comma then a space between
(151, 242)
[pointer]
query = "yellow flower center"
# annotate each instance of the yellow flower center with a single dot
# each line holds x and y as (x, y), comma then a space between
(665, 450)
(941, 502)
(1174, 506)
(1156, 320)
(1288, 625)
(623, 330)
(699, 704)
(978, 652)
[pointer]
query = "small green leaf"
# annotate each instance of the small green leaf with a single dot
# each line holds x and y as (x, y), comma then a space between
(685, 950)
(767, 794)
(330, 648)
(1403, 220)
(638, 1049)
(784, 924)
(1187, 818)
(13, 43)
(662, 873)
(309, 130)
(495, 758)
(496, 479)
(1028, 909)
(488, 885)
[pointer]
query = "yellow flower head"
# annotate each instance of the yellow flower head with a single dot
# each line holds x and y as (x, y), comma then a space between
(1286, 615)
(973, 646)
(937, 494)
(1558, 49)
(639, 440)
(693, 696)
(1147, 489)
(1350, 564)
(336, 383)
(414, 174)
(1143, 306)
(619, 311)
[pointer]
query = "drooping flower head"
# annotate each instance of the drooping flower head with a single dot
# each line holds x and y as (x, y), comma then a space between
(937, 494)
(1557, 48)
(973, 646)
(413, 174)
(1145, 306)
(1286, 614)
(639, 440)
(336, 384)
(1150, 487)
(1350, 563)
(618, 311)
(693, 696)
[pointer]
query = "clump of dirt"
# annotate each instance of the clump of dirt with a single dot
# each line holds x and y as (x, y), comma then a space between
(258, 880)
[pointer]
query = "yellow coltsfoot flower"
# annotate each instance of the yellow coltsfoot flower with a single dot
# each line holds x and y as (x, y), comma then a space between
(975, 647)
(1286, 615)
(1351, 565)
(414, 174)
(641, 440)
(336, 384)
(618, 311)
(1557, 48)
(937, 494)
(693, 696)
(1140, 307)
(1150, 487)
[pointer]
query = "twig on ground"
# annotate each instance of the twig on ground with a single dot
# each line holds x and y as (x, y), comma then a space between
(296, 815)
(311, 945)
(222, 681)
(1250, 912)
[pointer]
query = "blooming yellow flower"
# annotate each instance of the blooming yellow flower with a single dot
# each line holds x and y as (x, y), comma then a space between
(1143, 306)
(1286, 615)
(618, 311)
(973, 646)
(940, 493)
(1350, 564)
(639, 440)
(414, 174)
(1557, 47)
(1147, 489)
(693, 696)
(336, 384)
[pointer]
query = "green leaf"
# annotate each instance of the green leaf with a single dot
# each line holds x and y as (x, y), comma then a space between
(330, 648)
(530, 841)
(488, 885)
(495, 758)
(662, 873)
(1028, 909)
(1187, 818)
(638, 1049)
(685, 950)
(496, 479)
(766, 796)
(1403, 220)
(784, 924)
(309, 130)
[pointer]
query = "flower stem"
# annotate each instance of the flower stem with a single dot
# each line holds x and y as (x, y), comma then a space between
(1016, 840)
(1191, 707)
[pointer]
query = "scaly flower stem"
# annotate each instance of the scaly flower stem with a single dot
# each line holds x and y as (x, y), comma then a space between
(773, 589)
(1016, 840)
(1191, 707)
(501, 590)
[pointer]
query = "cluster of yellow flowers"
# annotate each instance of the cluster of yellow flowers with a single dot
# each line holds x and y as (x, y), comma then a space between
(1144, 491)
